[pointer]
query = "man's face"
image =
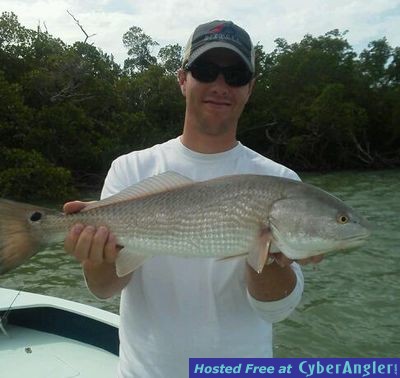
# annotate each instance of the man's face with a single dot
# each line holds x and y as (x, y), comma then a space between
(214, 108)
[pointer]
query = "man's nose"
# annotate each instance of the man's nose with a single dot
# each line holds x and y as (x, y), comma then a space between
(220, 84)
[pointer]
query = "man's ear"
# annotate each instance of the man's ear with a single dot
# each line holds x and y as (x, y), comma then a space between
(182, 80)
(251, 87)
(252, 84)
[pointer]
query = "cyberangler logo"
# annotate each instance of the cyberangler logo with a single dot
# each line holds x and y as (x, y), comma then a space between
(221, 32)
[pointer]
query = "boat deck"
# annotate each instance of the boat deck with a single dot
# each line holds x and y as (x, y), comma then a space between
(50, 337)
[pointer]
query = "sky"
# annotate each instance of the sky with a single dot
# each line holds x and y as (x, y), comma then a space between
(172, 21)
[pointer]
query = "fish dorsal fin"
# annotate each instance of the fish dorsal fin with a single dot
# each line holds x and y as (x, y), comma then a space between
(152, 185)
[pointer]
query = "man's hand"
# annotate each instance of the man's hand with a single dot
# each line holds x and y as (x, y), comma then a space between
(97, 251)
(284, 261)
(90, 246)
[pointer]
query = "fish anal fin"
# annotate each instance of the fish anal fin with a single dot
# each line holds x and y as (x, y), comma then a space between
(128, 262)
(258, 255)
(227, 258)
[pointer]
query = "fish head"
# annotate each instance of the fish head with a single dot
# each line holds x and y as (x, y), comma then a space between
(308, 221)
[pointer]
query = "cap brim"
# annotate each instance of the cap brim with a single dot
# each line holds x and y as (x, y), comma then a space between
(218, 44)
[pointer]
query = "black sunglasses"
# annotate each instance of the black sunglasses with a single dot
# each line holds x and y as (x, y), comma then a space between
(207, 72)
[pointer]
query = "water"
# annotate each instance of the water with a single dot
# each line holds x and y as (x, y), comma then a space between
(351, 305)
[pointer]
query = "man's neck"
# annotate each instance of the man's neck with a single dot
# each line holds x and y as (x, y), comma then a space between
(208, 143)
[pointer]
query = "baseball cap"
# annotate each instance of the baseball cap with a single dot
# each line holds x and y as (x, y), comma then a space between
(223, 34)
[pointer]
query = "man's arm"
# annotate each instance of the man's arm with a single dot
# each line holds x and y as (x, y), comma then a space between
(273, 283)
(277, 280)
(97, 251)
(277, 290)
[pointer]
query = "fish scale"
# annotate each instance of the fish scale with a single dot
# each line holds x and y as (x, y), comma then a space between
(217, 227)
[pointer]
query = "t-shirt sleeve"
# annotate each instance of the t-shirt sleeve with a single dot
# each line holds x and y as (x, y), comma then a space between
(119, 176)
(276, 311)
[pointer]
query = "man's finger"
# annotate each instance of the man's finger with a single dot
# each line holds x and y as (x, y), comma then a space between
(74, 206)
(281, 259)
(111, 250)
(72, 238)
(84, 243)
(96, 252)
(311, 260)
(317, 259)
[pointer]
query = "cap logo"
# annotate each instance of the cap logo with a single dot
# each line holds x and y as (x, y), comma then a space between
(217, 29)
(221, 32)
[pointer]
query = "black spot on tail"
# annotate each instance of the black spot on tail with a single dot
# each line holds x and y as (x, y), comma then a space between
(36, 216)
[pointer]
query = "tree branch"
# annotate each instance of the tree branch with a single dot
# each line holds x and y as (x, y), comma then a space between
(364, 153)
(81, 27)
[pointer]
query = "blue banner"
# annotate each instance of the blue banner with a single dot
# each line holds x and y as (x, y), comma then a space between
(294, 367)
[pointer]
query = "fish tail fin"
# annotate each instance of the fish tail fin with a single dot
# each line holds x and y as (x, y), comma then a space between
(20, 234)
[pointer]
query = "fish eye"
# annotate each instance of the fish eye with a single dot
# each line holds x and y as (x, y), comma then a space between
(36, 216)
(342, 218)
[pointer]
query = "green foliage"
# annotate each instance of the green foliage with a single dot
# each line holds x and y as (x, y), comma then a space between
(373, 62)
(26, 174)
(139, 50)
(67, 110)
(316, 106)
(171, 58)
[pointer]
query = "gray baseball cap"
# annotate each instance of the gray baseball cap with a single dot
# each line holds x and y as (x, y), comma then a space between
(222, 34)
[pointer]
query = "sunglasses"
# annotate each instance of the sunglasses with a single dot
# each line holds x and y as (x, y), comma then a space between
(207, 72)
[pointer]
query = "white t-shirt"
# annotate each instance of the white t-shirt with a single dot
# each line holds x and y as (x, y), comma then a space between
(175, 308)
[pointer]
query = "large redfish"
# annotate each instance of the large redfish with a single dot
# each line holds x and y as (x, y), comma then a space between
(170, 214)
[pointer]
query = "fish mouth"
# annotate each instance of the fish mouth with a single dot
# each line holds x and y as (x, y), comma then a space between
(353, 241)
(359, 237)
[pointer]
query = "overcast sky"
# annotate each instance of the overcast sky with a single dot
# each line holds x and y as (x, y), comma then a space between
(172, 21)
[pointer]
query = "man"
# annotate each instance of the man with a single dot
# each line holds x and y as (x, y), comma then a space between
(174, 308)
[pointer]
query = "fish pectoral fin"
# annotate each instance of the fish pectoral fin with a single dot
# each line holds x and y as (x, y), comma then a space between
(128, 262)
(258, 255)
